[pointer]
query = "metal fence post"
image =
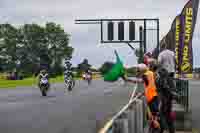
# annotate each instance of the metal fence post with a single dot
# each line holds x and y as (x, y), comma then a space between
(132, 118)
(121, 124)
(183, 88)
(186, 95)
(178, 89)
(140, 115)
(182, 91)
(137, 117)
(187, 89)
(144, 113)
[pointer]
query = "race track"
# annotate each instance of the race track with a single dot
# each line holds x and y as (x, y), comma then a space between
(84, 110)
(24, 110)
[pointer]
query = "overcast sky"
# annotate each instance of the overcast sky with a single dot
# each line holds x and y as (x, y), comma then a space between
(86, 38)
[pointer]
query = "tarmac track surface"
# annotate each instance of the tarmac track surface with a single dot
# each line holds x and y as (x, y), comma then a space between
(84, 110)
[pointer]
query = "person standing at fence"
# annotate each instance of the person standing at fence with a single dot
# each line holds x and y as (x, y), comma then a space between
(147, 56)
(148, 59)
(165, 85)
(167, 60)
(166, 96)
(150, 92)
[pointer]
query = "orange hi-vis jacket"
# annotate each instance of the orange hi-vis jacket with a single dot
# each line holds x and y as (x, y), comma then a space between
(150, 89)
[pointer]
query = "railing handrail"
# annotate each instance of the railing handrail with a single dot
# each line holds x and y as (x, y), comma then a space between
(110, 122)
(183, 91)
(183, 88)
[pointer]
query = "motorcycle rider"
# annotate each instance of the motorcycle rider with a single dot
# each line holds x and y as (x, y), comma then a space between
(88, 74)
(68, 74)
(43, 74)
(68, 69)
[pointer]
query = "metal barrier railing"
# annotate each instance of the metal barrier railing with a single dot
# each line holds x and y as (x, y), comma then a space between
(130, 119)
(182, 87)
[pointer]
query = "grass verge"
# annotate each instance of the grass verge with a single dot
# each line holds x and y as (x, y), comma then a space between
(26, 82)
(30, 81)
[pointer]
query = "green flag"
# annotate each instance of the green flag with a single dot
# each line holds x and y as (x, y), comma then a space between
(116, 71)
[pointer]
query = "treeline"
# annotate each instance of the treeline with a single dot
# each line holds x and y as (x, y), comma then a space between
(196, 70)
(29, 47)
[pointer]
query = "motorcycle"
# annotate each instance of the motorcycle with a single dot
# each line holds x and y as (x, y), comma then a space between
(87, 77)
(44, 86)
(69, 83)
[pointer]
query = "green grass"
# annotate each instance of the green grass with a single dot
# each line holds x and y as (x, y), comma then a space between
(26, 82)
(14, 83)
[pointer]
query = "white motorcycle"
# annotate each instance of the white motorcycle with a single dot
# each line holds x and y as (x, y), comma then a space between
(44, 86)
(69, 83)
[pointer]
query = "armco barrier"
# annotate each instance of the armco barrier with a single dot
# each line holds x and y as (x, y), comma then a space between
(130, 119)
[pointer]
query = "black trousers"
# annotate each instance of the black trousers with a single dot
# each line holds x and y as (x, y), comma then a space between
(171, 74)
(166, 121)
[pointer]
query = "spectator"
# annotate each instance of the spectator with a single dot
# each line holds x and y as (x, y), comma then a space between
(150, 90)
(147, 57)
(165, 90)
(163, 83)
(167, 61)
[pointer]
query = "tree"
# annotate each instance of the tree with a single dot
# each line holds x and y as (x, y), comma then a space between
(139, 54)
(197, 70)
(33, 45)
(84, 65)
(8, 36)
(57, 42)
(94, 70)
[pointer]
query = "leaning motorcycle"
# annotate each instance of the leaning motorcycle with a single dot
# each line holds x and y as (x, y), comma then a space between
(69, 83)
(44, 86)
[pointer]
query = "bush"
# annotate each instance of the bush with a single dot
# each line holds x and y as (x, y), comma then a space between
(79, 73)
(3, 76)
(106, 67)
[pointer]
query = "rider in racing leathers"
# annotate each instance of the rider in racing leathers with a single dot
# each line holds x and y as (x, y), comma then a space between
(43, 74)
(68, 69)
